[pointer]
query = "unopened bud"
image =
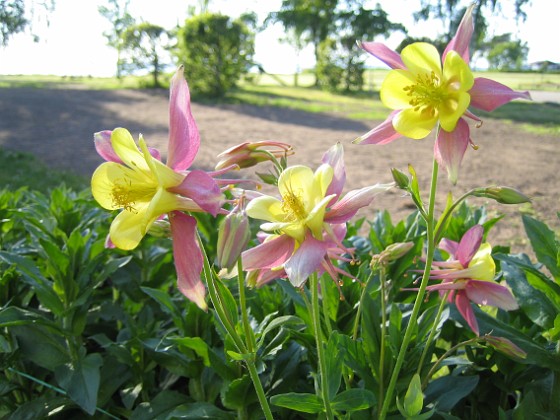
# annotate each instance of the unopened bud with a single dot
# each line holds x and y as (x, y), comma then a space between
(397, 250)
(249, 154)
(233, 236)
(504, 195)
(400, 178)
(505, 346)
(160, 229)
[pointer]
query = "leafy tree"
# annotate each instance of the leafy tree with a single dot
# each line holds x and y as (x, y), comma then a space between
(311, 20)
(503, 53)
(17, 15)
(340, 64)
(116, 12)
(216, 51)
(142, 46)
(449, 12)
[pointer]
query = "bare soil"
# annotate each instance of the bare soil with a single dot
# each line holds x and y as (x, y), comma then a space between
(57, 126)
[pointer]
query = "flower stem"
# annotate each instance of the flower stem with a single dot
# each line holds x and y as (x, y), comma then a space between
(249, 336)
(322, 366)
(217, 301)
(419, 298)
(383, 327)
(432, 333)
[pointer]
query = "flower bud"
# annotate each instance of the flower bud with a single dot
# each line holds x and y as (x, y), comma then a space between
(505, 346)
(160, 229)
(400, 178)
(249, 154)
(233, 236)
(392, 253)
(504, 195)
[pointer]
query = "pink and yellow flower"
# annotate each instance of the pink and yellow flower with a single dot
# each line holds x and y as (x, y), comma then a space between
(135, 180)
(468, 275)
(304, 225)
(425, 90)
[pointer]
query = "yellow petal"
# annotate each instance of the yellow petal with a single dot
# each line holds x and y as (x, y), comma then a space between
(316, 217)
(322, 178)
(296, 180)
(482, 266)
(421, 58)
(393, 94)
(266, 208)
(457, 73)
(452, 109)
(162, 202)
(165, 176)
(125, 147)
(414, 124)
(128, 228)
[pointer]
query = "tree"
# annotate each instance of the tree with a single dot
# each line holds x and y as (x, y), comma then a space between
(449, 12)
(503, 53)
(142, 48)
(216, 51)
(16, 16)
(340, 64)
(311, 20)
(117, 13)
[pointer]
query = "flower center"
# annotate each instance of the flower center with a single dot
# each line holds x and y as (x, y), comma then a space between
(126, 194)
(427, 94)
(293, 207)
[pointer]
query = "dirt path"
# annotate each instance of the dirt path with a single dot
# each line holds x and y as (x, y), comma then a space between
(57, 126)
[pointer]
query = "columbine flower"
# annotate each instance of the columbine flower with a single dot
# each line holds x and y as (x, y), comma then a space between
(135, 180)
(248, 154)
(468, 275)
(304, 220)
(422, 93)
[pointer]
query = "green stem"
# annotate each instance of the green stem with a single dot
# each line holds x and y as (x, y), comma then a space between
(249, 336)
(325, 302)
(322, 366)
(419, 298)
(217, 301)
(445, 355)
(441, 223)
(432, 333)
(359, 313)
(383, 328)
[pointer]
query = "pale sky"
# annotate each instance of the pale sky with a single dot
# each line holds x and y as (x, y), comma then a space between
(73, 42)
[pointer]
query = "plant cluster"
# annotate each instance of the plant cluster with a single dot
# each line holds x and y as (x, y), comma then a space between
(276, 306)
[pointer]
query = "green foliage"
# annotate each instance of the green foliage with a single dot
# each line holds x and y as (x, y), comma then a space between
(503, 53)
(17, 15)
(143, 45)
(216, 52)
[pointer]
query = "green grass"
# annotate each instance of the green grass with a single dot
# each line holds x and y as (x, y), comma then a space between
(73, 82)
(19, 169)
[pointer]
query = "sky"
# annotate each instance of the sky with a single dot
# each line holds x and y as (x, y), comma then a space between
(73, 44)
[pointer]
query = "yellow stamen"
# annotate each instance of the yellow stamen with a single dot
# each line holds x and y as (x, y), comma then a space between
(293, 207)
(125, 194)
(426, 95)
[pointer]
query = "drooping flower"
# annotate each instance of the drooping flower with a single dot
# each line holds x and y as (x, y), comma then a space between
(248, 154)
(135, 180)
(424, 89)
(302, 224)
(468, 275)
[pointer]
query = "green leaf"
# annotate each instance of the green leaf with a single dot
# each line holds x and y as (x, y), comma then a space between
(166, 304)
(544, 244)
(161, 407)
(413, 399)
(447, 391)
(41, 346)
(306, 403)
(35, 279)
(81, 380)
(333, 357)
(195, 344)
(227, 300)
(353, 399)
(199, 410)
(234, 395)
(532, 301)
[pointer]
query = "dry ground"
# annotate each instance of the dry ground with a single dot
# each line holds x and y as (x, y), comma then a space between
(57, 126)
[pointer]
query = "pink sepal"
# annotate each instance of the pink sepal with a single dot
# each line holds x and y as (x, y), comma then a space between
(335, 158)
(383, 53)
(460, 42)
(202, 189)
(470, 242)
(270, 254)
(382, 134)
(464, 306)
(184, 137)
(450, 148)
(348, 206)
(488, 94)
(306, 260)
(489, 293)
(188, 258)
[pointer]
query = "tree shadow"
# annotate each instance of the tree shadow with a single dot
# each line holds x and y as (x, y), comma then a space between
(544, 113)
